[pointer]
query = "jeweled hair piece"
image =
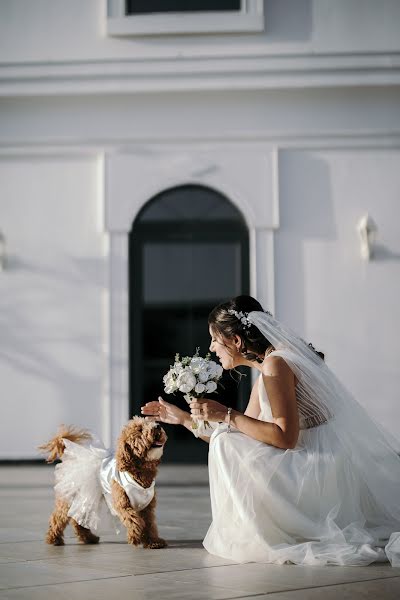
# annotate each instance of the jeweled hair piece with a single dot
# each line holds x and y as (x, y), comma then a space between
(243, 317)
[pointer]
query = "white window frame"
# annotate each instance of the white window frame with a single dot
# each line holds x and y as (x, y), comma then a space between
(250, 18)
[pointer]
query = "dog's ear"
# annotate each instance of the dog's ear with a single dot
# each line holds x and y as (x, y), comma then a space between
(132, 444)
(124, 456)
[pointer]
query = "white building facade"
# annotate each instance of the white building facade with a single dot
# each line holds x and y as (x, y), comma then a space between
(289, 108)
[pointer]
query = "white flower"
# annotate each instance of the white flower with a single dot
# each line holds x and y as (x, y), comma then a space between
(192, 375)
(169, 383)
(211, 387)
(186, 381)
(204, 376)
(214, 370)
(218, 371)
(198, 364)
(170, 389)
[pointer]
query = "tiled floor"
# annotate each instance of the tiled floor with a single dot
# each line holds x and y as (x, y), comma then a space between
(29, 569)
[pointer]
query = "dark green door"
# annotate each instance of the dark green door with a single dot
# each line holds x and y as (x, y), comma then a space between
(189, 250)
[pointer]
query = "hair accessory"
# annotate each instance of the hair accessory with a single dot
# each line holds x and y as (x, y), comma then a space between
(242, 317)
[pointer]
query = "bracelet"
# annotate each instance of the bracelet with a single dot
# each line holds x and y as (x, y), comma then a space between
(229, 419)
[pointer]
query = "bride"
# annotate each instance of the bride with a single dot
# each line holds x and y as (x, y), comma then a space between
(304, 475)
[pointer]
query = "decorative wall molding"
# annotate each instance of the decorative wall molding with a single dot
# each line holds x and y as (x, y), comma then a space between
(185, 72)
(242, 176)
(296, 140)
(249, 180)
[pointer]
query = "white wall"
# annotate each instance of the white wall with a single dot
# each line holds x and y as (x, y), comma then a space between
(50, 300)
(319, 89)
(46, 30)
(348, 308)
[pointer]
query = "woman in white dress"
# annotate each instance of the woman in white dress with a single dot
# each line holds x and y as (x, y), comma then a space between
(304, 475)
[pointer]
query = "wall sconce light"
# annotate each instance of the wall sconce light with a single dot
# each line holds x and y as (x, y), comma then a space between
(367, 230)
(2, 252)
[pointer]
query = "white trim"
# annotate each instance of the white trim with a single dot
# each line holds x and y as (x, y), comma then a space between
(118, 333)
(249, 19)
(261, 142)
(253, 260)
(106, 405)
(275, 187)
(219, 72)
(241, 175)
(84, 149)
(244, 177)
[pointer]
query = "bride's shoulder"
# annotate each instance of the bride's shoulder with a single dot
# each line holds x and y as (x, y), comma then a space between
(272, 364)
(275, 365)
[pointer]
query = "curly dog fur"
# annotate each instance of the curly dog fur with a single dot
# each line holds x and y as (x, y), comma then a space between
(138, 452)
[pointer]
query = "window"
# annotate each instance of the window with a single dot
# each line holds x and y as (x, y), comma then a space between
(189, 250)
(159, 17)
(140, 7)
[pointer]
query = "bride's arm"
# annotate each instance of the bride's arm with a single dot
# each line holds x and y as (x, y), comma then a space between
(280, 385)
(163, 411)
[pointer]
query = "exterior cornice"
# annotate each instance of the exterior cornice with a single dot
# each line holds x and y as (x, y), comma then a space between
(194, 73)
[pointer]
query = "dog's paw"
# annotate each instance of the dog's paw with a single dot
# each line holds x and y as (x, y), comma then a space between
(54, 541)
(91, 539)
(133, 540)
(155, 544)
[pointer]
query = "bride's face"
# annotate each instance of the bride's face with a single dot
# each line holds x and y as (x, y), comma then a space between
(226, 350)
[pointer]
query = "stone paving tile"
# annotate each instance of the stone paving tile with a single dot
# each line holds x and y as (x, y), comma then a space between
(258, 579)
(142, 562)
(149, 587)
(39, 550)
(24, 574)
(381, 589)
(13, 534)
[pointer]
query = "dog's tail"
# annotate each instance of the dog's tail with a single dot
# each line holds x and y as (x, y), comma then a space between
(55, 447)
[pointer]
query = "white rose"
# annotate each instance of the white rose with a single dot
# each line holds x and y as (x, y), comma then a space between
(218, 371)
(186, 381)
(200, 388)
(204, 376)
(197, 364)
(169, 383)
(170, 389)
(211, 387)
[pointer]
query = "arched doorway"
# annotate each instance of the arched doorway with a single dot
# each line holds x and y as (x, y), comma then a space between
(188, 251)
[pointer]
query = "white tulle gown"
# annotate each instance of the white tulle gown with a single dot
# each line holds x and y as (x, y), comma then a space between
(314, 504)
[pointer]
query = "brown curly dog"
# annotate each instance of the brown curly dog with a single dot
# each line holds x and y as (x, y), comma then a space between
(138, 454)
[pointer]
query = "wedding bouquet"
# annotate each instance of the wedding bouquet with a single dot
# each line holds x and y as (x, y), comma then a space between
(194, 376)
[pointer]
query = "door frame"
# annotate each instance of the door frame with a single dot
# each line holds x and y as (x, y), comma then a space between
(248, 178)
(180, 232)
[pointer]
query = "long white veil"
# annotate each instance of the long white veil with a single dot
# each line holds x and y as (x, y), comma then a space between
(369, 448)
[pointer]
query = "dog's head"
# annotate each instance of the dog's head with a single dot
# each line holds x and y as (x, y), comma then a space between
(141, 441)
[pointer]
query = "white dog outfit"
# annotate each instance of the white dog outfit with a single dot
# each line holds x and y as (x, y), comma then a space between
(84, 479)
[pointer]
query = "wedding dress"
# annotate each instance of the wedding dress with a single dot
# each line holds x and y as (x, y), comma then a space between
(332, 500)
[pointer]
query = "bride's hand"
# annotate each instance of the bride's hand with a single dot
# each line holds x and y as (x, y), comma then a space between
(208, 410)
(164, 412)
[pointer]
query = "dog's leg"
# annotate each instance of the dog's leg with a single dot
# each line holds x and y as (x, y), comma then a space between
(150, 537)
(57, 523)
(83, 534)
(128, 515)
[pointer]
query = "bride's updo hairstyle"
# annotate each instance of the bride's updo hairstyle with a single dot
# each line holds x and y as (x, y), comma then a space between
(226, 324)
